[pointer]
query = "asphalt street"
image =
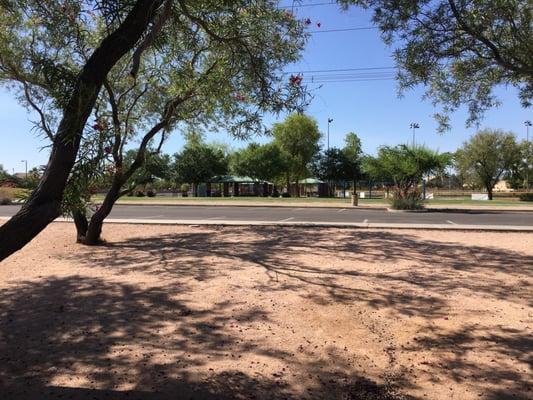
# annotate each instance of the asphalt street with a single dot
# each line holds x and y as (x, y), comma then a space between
(311, 215)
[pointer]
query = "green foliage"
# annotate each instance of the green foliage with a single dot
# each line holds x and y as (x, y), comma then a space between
(263, 162)
(352, 147)
(297, 137)
(460, 50)
(405, 166)
(412, 202)
(334, 165)
(520, 175)
(155, 166)
(526, 197)
(486, 157)
(199, 163)
(205, 64)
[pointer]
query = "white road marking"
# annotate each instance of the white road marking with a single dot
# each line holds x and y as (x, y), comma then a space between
(450, 222)
(365, 221)
(341, 210)
(286, 219)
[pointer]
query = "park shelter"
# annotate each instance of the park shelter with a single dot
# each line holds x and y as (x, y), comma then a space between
(232, 185)
(310, 187)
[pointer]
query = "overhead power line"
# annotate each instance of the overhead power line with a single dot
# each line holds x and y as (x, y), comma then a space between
(313, 71)
(358, 28)
(331, 3)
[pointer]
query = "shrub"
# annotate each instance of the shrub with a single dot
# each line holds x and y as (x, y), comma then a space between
(526, 197)
(150, 193)
(4, 201)
(411, 202)
(139, 193)
(285, 194)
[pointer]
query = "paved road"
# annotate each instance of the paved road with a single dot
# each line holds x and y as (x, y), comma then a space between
(312, 215)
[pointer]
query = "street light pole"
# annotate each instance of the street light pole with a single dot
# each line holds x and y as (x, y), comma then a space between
(26, 163)
(413, 126)
(330, 120)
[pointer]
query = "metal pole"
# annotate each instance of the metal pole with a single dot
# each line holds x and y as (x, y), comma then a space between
(330, 120)
(26, 163)
(528, 155)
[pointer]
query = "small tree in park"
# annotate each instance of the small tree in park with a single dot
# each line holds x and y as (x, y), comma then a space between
(486, 157)
(198, 163)
(354, 154)
(405, 166)
(259, 161)
(298, 138)
(332, 166)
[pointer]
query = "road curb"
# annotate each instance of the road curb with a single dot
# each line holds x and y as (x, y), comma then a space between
(304, 224)
(335, 206)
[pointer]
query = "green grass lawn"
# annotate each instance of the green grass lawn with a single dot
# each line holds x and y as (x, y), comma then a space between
(312, 200)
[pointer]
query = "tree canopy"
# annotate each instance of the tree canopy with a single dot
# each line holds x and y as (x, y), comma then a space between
(199, 163)
(486, 157)
(202, 63)
(405, 166)
(297, 137)
(259, 161)
(459, 49)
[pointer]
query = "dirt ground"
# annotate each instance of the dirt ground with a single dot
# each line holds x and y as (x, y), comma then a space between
(167, 312)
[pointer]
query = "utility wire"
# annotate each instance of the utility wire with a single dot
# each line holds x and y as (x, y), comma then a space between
(309, 5)
(359, 28)
(314, 71)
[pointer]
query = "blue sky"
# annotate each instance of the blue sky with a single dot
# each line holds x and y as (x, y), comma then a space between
(371, 109)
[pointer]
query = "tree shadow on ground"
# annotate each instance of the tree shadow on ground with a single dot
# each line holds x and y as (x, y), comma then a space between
(441, 268)
(86, 338)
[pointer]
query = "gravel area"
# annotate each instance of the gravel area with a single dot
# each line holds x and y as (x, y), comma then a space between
(170, 312)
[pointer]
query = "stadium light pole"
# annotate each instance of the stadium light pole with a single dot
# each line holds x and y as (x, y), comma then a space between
(527, 124)
(26, 164)
(413, 126)
(330, 120)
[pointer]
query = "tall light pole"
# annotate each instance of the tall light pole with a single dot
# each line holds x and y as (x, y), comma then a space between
(413, 126)
(330, 120)
(26, 163)
(528, 155)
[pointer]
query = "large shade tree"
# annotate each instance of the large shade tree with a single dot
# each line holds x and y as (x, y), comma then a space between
(200, 62)
(34, 37)
(485, 158)
(216, 67)
(459, 49)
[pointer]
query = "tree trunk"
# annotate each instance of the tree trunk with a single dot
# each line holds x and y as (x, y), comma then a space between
(44, 204)
(489, 191)
(288, 183)
(94, 230)
(80, 220)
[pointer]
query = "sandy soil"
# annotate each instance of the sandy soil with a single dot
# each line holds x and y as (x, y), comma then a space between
(166, 312)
